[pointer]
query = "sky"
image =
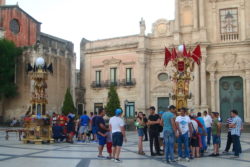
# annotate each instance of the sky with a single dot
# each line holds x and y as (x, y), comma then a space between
(95, 19)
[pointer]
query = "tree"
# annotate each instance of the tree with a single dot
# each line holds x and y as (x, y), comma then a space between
(68, 104)
(8, 59)
(113, 102)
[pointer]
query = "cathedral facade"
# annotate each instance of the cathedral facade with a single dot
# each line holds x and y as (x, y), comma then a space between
(21, 28)
(135, 63)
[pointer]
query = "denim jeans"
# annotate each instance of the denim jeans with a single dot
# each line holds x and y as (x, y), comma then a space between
(208, 135)
(169, 144)
(183, 139)
(204, 143)
(236, 145)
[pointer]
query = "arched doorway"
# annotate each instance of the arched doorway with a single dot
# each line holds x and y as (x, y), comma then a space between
(231, 96)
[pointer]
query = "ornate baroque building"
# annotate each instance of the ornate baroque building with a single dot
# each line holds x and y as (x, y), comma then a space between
(24, 31)
(135, 63)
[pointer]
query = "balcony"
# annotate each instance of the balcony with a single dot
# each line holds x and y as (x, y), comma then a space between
(118, 83)
(128, 83)
(228, 37)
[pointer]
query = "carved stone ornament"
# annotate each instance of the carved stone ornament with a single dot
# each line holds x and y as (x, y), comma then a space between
(112, 61)
(161, 28)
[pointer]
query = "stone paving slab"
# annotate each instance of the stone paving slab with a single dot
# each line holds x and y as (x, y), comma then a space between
(15, 154)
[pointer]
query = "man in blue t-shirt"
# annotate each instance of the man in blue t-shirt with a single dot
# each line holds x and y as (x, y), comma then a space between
(169, 130)
(203, 131)
(84, 124)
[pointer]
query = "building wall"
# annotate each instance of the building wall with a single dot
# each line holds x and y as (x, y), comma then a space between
(29, 28)
(196, 22)
(54, 50)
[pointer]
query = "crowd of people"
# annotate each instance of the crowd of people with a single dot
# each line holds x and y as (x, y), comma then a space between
(92, 129)
(186, 133)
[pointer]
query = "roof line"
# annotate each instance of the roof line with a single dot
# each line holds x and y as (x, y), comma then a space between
(54, 37)
(16, 6)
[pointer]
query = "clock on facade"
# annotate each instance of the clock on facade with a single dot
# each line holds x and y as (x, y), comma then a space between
(14, 26)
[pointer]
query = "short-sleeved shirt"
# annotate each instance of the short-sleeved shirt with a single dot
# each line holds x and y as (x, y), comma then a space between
(167, 124)
(84, 120)
(93, 121)
(201, 120)
(99, 120)
(238, 122)
(208, 121)
(154, 127)
(183, 123)
(215, 126)
(116, 124)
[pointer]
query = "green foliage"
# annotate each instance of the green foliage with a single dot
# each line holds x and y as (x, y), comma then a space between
(8, 59)
(68, 104)
(113, 102)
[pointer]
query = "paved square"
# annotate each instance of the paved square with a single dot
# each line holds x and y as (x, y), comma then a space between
(15, 154)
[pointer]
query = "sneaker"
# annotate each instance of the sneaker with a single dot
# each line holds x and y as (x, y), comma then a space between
(153, 154)
(100, 157)
(225, 152)
(235, 157)
(212, 155)
(173, 161)
(187, 159)
(109, 158)
(83, 141)
(118, 161)
(159, 154)
(179, 159)
(217, 154)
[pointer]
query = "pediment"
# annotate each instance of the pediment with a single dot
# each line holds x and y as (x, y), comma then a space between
(162, 27)
(111, 61)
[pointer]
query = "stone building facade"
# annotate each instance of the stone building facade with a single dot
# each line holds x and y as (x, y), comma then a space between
(24, 31)
(135, 63)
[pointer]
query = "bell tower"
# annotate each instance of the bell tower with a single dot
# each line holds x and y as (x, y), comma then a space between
(190, 17)
(2, 2)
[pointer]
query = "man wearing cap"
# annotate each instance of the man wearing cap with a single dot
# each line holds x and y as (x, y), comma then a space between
(116, 125)
(154, 123)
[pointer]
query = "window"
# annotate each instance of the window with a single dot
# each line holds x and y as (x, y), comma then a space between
(98, 77)
(130, 109)
(128, 75)
(98, 106)
(14, 26)
(229, 20)
(113, 75)
(163, 76)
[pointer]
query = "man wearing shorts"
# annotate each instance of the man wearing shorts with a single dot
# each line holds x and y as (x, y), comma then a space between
(116, 125)
(101, 131)
(84, 121)
(216, 130)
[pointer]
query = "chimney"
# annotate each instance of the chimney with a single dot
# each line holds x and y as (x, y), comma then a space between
(2, 2)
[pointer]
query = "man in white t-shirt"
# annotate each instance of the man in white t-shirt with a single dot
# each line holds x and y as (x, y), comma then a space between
(116, 125)
(183, 124)
(208, 123)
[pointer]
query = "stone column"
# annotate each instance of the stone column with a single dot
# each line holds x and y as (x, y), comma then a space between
(177, 23)
(141, 89)
(196, 18)
(197, 87)
(201, 13)
(203, 80)
(247, 114)
(242, 20)
(177, 16)
(213, 99)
